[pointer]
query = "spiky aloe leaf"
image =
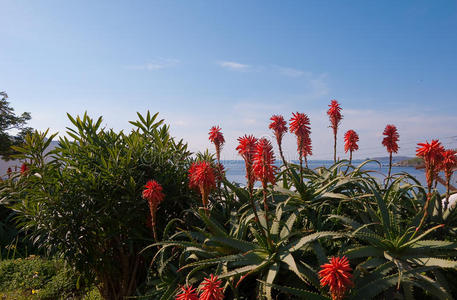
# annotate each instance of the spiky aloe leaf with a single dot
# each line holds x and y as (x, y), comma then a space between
(297, 244)
(364, 251)
(381, 284)
(271, 275)
(431, 286)
(411, 242)
(233, 243)
(213, 261)
(431, 261)
(303, 294)
(212, 225)
(288, 225)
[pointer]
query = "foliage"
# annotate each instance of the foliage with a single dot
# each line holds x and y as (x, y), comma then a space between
(340, 210)
(40, 278)
(10, 121)
(83, 199)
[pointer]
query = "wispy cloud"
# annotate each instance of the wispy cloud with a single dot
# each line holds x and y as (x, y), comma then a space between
(157, 64)
(234, 66)
(290, 72)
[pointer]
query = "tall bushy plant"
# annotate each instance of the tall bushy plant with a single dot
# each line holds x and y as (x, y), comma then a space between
(83, 200)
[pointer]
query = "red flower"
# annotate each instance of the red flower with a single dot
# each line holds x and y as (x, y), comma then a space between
(212, 289)
(187, 293)
(300, 126)
(153, 193)
(24, 168)
(336, 274)
(334, 113)
(246, 148)
(9, 171)
(391, 139)
(350, 141)
(202, 176)
(219, 172)
(432, 154)
(449, 162)
(217, 138)
(306, 147)
(279, 127)
(264, 160)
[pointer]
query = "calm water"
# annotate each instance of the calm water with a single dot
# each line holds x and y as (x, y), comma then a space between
(236, 171)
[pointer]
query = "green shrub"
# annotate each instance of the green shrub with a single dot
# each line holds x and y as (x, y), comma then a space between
(83, 199)
(39, 278)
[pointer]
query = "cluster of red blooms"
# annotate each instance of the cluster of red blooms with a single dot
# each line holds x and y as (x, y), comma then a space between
(278, 125)
(23, 170)
(391, 138)
(217, 138)
(449, 162)
(350, 141)
(335, 116)
(246, 148)
(337, 275)
(154, 195)
(263, 165)
(202, 176)
(300, 126)
(210, 290)
(432, 154)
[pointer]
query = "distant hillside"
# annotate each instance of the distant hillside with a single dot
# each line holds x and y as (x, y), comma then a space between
(395, 159)
(412, 162)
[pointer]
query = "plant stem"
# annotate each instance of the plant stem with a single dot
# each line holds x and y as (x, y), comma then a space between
(265, 207)
(306, 162)
(448, 180)
(282, 155)
(334, 146)
(301, 168)
(254, 209)
(390, 166)
(429, 196)
(350, 156)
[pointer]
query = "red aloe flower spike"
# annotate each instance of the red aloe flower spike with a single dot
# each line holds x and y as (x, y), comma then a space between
(264, 160)
(278, 125)
(390, 142)
(337, 275)
(448, 165)
(350, 142)
(24, 168)
(264, 170)
(247, 148)
(335, 116)
(432, 154)
(391, 138)
(300, 126)
(202, 176)
(211, 289)
(153, 193)
(217, 138)
(9, 171)
(187, 293)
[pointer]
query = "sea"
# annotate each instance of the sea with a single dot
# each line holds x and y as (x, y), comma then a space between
(235, 170)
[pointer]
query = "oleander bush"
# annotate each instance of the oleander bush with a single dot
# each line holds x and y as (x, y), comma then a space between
(83, 201)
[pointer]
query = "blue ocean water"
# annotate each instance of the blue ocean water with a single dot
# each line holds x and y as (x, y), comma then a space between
(236, 170)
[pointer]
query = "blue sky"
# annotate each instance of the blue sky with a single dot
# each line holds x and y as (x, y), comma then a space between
(235, 63)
